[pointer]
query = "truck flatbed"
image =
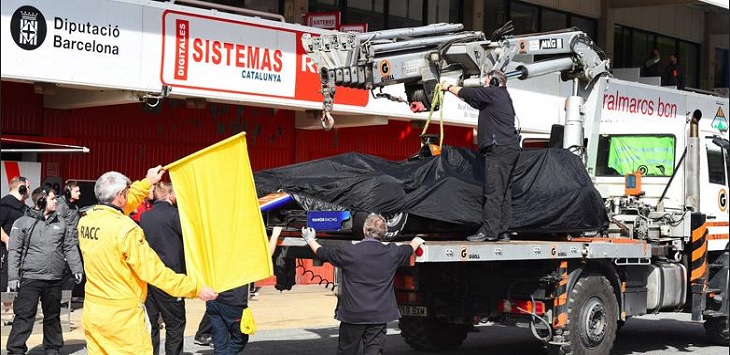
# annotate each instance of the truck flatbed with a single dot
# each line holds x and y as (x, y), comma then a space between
(626, 251)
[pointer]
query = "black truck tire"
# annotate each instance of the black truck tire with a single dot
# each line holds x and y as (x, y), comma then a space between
(592, 318)
(429, 334)
(716, 329)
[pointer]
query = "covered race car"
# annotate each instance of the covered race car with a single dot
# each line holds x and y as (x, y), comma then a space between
(434, 196)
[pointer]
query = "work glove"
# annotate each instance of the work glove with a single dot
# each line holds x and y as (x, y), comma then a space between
(13, 285)
(419, 240)
(308, 234)
(79, 277)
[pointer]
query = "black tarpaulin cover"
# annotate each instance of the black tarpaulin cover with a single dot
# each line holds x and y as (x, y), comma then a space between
(551, 191)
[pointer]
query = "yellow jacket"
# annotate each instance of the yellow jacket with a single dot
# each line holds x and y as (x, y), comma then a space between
(137, 193)
(119, 264)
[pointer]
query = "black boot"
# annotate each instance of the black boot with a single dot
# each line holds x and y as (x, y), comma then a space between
(481, 237)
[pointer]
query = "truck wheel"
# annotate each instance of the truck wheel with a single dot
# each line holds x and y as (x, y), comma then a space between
(716, 329)
(592, 317)
(428, 334)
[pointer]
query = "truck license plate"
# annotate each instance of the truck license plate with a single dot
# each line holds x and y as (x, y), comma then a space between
(413, 311)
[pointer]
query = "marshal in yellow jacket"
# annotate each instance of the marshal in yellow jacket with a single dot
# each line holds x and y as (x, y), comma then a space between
(119, 264)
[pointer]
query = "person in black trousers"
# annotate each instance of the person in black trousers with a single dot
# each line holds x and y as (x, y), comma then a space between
(40, 247)
(161, 226)
(499, 143)
(12, 207)
(366, 302)
(204, 334)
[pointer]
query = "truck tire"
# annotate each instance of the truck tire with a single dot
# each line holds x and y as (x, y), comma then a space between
(429, 334)
(716, 329)
(592, 318)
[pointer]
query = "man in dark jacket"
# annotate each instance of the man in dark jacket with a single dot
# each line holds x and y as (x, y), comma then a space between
(499, 143)
(69, 211)
(67, 208)
(366, 302)
(674, 73)
(161, 226)
(12, 207)
(40, 247)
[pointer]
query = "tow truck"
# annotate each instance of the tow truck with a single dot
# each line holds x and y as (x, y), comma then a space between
(657, 156)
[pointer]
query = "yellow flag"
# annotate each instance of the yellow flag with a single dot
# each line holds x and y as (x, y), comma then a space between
(223, 231)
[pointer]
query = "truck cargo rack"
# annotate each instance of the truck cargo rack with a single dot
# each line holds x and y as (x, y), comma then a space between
(628, 251)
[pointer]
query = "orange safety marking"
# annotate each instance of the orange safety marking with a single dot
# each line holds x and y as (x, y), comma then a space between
(717, 236)
(717, 224)
(608, 240)
(699, 252)
(698, 233)
(699, 272)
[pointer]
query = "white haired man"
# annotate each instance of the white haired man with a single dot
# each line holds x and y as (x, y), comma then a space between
(119, 264)
(366, 302)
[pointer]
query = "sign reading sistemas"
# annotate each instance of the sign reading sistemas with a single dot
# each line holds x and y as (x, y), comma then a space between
(224, 55)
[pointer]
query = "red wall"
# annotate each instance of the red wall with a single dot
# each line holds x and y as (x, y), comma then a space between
(131, 138)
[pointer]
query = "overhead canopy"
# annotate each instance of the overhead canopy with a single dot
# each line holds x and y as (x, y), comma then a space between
(26, 144)
(552, 192)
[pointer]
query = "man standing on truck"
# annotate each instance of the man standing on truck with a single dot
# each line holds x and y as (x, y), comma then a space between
(366, 302)
(499, 143)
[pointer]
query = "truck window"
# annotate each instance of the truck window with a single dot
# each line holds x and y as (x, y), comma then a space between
(715, 165)
(652, 155)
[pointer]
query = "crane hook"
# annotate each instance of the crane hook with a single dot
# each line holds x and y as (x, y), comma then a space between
(327, 121)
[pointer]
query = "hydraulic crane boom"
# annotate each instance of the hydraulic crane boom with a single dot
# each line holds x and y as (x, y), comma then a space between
(420, 57)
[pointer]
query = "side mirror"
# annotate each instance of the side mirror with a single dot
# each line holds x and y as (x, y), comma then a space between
(721, 142)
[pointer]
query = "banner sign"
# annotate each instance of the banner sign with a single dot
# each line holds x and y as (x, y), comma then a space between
(84, 43)
(354, 27)
(324, 20)
(227, 56)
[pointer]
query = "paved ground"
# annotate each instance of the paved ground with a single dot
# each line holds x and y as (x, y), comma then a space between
(300, 322)
(310, 306)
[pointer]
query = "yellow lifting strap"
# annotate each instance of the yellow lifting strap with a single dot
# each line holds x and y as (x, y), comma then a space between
(436, 100)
